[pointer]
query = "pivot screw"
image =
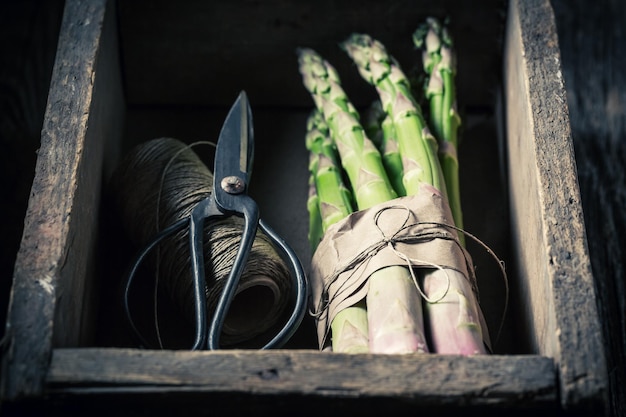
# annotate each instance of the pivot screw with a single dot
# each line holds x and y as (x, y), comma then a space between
(233, 184)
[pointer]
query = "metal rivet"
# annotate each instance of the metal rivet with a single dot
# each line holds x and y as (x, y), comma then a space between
(233, 184)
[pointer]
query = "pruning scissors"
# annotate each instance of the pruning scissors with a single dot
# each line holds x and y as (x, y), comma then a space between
(233, 163)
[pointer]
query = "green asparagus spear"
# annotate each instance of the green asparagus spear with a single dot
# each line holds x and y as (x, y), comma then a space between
(315, 217)
(392, 160)
(439, 62)
(349, 328)
(379, 127)
(333, 196)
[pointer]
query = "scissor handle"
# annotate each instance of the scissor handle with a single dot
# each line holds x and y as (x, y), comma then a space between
(300, 289)
(206, 209)
(248, 207)
(251, 217)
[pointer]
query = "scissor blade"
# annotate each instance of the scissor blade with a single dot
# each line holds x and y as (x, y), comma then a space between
(236, 140)
(235, 146)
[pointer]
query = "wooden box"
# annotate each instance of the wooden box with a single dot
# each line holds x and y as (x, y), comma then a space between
(130, 71)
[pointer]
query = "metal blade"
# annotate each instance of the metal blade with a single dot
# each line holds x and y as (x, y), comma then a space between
(235, 151)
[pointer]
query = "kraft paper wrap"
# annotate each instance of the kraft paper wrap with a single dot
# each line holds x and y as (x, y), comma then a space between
(372, 239)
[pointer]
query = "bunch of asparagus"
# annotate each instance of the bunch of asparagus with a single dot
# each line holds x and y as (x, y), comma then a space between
(349, 172)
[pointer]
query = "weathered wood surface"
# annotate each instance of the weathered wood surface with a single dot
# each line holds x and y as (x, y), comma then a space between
(480, 379)
(545, 206)
(418, 381)
(593, 49)
(51, 302)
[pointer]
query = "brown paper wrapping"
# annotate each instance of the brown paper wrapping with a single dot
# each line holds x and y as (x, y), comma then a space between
(372, 239)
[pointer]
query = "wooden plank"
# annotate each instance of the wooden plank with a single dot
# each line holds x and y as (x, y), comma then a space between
(76, 309)
(202, 53)
(592, 43)
(525, 206)
(545, 199)
(57, 248)
(498, 381)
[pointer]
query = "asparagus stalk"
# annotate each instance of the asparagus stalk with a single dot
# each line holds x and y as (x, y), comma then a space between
(439, 62)
(398, 330)
(316, 230)
(333, 197)
(455, 318)
(453, 308)
(392, 159)
(438, 57)
(379, 127)
(313, 207)
(349, 329)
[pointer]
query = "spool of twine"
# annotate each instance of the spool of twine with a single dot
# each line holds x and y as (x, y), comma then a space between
(160, 182)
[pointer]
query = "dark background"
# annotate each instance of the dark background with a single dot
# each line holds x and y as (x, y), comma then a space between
(592, 39)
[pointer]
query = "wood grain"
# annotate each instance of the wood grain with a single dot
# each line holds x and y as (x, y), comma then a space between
(546, 210)
(518, 382)
(49, 303)
(592, 41)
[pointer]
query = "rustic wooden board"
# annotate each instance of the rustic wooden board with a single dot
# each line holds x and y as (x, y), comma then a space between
(51, 301)
(546, 210)
(592, 43)
(413, 381)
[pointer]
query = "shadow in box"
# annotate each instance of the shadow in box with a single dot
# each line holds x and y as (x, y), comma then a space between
(280, 177)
